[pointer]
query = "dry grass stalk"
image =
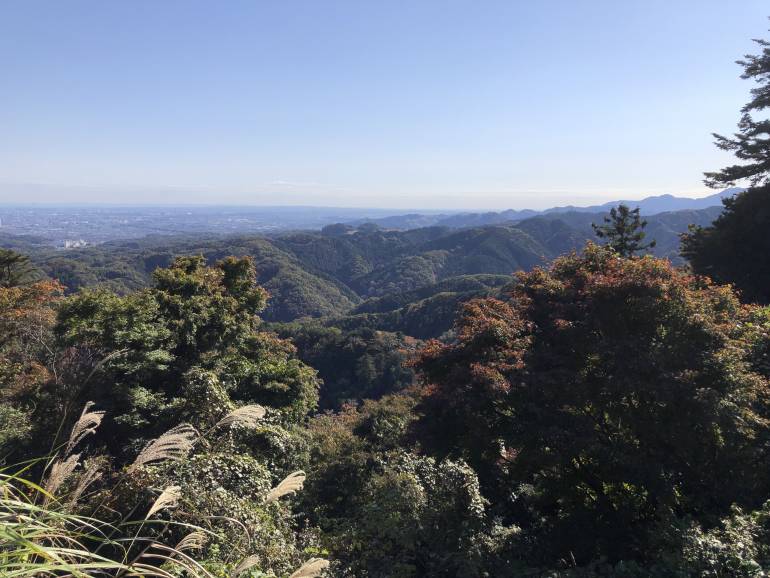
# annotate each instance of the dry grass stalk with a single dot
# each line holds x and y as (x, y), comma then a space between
(311, 569)
(247, 416)
(245, 565)
(173, 445)
(291, 484)
(88, 477)
(168, 498)
(60, 471)
(86, 425)
(193, 541)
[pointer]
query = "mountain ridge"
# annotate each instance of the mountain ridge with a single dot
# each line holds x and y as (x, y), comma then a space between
(648, 206)
(331, 273)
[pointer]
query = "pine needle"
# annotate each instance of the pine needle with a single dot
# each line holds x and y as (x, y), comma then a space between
(311, 569)
(173, 445)
(291, 484)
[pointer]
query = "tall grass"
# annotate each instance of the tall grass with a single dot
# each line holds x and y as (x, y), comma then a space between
(41, 535)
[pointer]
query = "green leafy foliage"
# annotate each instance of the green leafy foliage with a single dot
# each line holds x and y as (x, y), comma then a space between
(185, 362)
(593, 401)
(602, 416)
(353, 365)
(385, 511)
(606, 415)
(218, 505)
(736, 248)
(15, 268)
(148, 354)
(326, 274)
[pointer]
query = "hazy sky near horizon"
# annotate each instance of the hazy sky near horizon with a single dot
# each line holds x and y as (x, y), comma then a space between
(402, 104)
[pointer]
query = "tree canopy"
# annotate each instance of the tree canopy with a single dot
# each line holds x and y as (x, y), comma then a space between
(736, 248)
(624, 231)
(15, 268)
(606, 399)
(751, 143)
(158, 353)
(180, 394)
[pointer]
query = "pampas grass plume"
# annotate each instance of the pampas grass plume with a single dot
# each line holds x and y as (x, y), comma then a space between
(291, 484)
(173, 445)
(311, 569)
(193, 541)
(245, 564)
(168, 498)
(60, 471)
(86, 425)
(247, 416)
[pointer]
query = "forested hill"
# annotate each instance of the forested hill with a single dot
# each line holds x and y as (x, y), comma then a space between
(335, 272)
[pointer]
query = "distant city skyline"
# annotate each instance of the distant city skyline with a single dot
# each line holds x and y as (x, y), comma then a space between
(431, 105)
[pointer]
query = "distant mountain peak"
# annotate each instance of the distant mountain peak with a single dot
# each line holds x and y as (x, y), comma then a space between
(657, 204)
(653, 205)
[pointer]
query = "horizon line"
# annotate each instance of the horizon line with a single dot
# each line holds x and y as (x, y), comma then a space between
(200, 205)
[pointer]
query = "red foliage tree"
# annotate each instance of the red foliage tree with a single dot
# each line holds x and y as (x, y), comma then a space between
(605, 399)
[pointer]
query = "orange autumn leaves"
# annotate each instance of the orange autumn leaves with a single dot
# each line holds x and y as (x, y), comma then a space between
(27, 315)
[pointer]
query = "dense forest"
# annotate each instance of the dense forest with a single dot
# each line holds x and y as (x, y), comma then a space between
(328, 272)
(512, 399)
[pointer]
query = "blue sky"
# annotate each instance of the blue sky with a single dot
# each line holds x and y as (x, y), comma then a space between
(414, 104)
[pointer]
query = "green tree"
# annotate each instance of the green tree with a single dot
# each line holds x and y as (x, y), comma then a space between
(416, 517)
(388, 512)
(750, 143)
(624, 231)
(736, 248)
(192, 344)
(15, 268)
(602, 402)
(186, 362)
(354, 364)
